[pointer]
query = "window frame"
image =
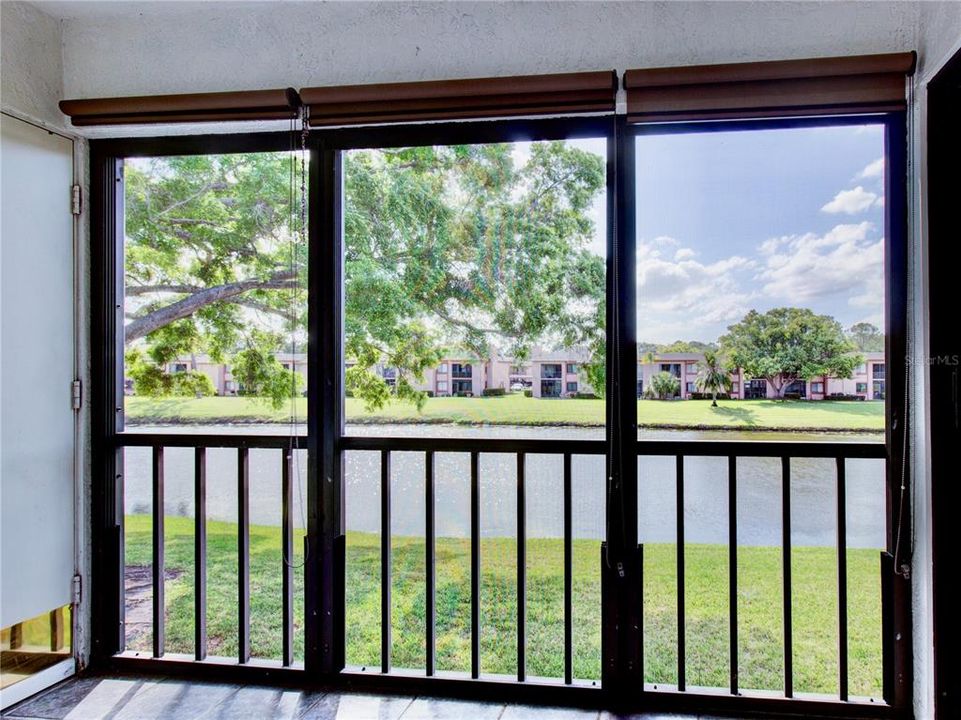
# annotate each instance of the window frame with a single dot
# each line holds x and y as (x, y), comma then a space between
(324, 573)
(897, 652)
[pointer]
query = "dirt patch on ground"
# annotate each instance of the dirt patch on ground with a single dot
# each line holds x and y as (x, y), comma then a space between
(138, 602)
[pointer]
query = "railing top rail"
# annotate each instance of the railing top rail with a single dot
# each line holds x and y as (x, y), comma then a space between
(196, 440)
(559, 446)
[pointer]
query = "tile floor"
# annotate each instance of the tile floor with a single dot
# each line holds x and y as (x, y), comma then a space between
(127, 698)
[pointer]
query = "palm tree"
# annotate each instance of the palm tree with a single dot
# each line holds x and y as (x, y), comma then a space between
(712, 378)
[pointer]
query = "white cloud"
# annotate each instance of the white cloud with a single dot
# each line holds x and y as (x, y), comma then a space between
(851, 202)
(679, 297)
(872, 170)
(800, 269)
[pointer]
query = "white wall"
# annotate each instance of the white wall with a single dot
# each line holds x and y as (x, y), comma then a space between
(31, 83)
(144, 48)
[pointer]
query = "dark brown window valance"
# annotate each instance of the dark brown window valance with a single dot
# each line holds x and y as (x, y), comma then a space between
(585, 92)
(822, 86)
(198, 107)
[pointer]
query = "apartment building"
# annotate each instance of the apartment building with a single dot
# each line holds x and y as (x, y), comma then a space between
(867, 381)
(219, 373)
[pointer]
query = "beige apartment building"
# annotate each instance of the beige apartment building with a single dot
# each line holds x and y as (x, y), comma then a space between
(867, 381)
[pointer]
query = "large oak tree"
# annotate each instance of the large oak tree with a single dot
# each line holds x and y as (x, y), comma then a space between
(467, 248)
(787, 344)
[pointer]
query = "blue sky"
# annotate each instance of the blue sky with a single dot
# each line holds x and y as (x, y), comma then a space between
(730, 221)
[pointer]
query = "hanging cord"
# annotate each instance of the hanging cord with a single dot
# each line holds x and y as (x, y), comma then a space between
(902, 565)
(614, 403)
(297, 233)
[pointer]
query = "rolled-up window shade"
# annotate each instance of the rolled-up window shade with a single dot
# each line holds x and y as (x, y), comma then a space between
(821, 86)
(570, 93)
(198, 107)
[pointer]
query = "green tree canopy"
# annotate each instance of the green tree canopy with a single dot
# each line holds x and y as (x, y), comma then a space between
(687, 346)
(788, 344)
(866, 337)
(464, 247)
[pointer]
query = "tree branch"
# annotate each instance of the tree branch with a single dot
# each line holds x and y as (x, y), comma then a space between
(199, 299)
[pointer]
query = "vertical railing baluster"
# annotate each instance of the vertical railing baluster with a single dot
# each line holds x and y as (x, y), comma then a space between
(521, 567)
(200, 553)
(287, 554)
(568, 576)
(429, 561)
(681, 604)
(385, 562)
(732, 566)
(243, 554)
(158, 551)
(786, 576)
(842, 542)
(475, 566)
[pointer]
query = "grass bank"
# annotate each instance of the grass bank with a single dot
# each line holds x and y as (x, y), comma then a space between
(519, 410)
(759, 603)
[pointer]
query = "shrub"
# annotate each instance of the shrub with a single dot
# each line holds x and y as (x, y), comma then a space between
(494, 392)
(584, 396)
(665, 385)
(528, 393)
(792, 396)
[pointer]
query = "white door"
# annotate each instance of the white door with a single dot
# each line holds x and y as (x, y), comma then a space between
(36, 370)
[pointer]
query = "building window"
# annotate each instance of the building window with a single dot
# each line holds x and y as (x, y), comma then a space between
(572, 387)
(692, 369)
(879, 393)
(441, 386)
(861, 369)
(551, 371)
(461, 370)
(442, 369)
(878, 369)
(861, 388)
(673, 368)
(518, 370)
(571, 369)
(551, 388)
(735, 387)
(817, 387)
(179, 367)
(690, 387)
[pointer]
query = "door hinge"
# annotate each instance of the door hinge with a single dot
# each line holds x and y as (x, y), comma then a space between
(76, 199)
(76, 590)
(76, 394)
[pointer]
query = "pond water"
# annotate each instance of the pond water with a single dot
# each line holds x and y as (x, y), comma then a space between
(705, 484)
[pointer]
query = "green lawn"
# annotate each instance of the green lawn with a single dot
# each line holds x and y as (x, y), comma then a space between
(759, 603)
(518, 410)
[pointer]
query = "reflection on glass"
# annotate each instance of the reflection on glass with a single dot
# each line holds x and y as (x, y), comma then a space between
(33, 645)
